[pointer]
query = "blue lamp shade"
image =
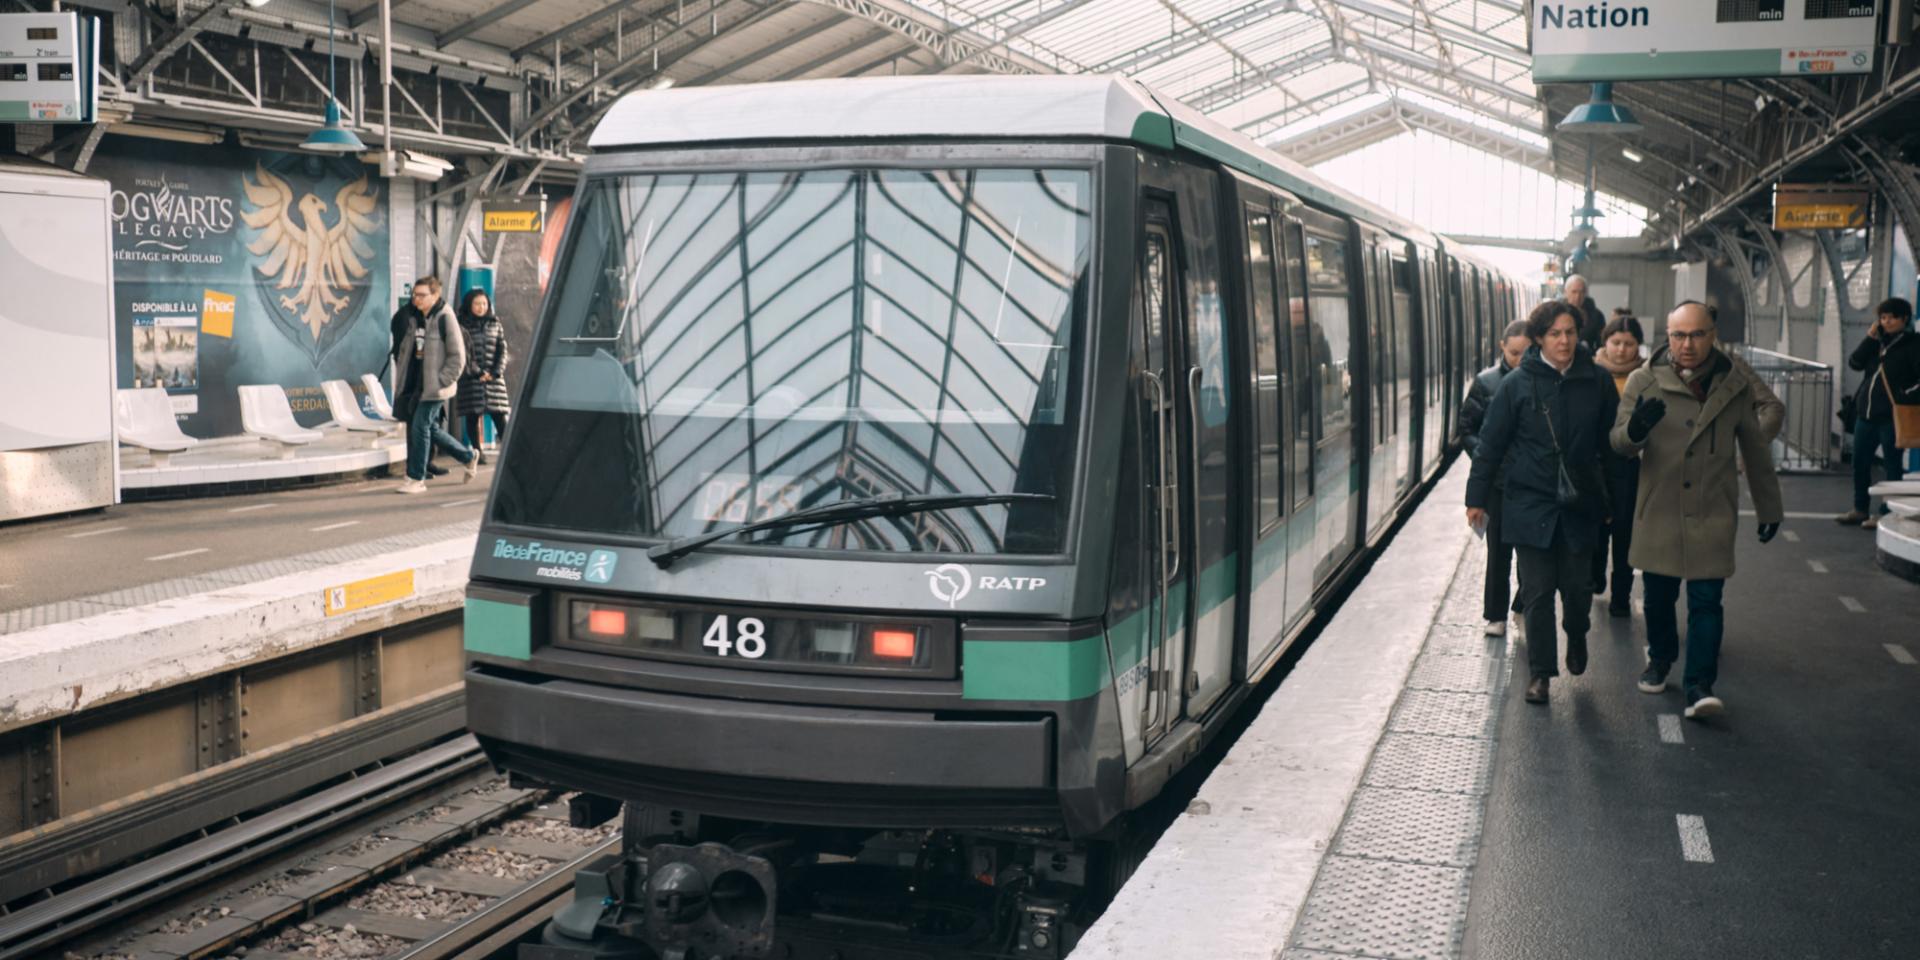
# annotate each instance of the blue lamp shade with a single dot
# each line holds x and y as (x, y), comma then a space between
(1576, 258)
(1588, 212)
(333, 137)
(1600, 115)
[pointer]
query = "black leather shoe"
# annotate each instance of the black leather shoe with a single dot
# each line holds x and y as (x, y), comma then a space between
(1619, 606)
(1576, 655)
(436, 471)
(1537, 690)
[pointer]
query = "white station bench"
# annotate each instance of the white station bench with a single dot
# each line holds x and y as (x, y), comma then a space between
(144, 418)
(345, 408)
(377, 394)
(265, 413)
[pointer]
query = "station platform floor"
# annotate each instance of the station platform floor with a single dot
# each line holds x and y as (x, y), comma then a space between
(1783, 828)
(131, 554)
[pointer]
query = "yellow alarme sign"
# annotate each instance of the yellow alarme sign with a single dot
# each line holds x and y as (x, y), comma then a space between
(370, 592)
(511, 221)
(1819, 216)
(216, 313)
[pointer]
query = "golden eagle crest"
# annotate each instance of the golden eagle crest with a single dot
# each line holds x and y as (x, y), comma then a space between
(313, 267)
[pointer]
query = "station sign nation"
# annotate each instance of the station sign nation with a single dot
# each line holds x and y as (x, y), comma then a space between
(1697, 39)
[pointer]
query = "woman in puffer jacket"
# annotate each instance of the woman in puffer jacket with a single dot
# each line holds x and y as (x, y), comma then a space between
(1619, 356)
(483, 385)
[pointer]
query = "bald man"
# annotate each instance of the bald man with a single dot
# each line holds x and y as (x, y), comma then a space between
(1592, 320)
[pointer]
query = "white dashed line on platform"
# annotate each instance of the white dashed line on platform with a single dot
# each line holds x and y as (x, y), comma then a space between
(1694, 846)
(461, 503)
(1853, 605)
(182, 553)
(93, 533)
(1670, 731)
(1899, 653)
(257, 506)
(1791, 536)
(333, 526)
(1817, 566)
(1795, 515)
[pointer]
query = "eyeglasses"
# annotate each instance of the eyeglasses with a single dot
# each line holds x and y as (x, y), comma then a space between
(1682, 336)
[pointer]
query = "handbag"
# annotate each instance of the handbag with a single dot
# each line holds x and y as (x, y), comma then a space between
(1906, 418)
(1849, 412)
(1566, 493)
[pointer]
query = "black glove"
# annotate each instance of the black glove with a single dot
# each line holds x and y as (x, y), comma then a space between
(1647, 411)
(1767, 531)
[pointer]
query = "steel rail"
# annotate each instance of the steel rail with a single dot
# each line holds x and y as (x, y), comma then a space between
(504, 921)
(35, 930)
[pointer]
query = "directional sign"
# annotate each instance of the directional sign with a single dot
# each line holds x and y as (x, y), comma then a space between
(512, 216)
(1816, 206)
(1575, 40)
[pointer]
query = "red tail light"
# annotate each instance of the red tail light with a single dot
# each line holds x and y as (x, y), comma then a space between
(895, 644)
(607, 623)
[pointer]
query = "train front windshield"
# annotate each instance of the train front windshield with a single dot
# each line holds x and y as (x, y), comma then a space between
(729, 347)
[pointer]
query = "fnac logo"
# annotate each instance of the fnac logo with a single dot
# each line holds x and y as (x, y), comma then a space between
(216, 313)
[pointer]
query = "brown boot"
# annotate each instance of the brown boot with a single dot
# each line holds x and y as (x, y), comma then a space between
(1537, 690)
(1852, 518)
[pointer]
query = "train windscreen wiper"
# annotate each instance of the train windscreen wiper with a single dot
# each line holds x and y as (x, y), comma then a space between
(843, 511)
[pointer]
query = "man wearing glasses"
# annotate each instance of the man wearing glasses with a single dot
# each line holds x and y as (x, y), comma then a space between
(1684, 415)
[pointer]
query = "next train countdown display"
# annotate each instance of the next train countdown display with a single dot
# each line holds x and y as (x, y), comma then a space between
(1670, 40)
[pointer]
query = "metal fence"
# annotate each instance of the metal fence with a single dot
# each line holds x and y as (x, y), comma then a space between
(1806, 441)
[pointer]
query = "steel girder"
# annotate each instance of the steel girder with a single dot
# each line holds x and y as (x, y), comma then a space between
(1240, 86)
(946, 41)
(1391, 118)
(1188, 39)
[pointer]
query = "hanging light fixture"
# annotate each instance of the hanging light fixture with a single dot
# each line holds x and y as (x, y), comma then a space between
(1600, 115)
(333, 136)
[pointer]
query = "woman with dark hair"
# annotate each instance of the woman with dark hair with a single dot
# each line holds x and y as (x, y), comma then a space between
(1890, 358)
(483, 387)
(1620, 356)
(1547, 425)
(1473, 412)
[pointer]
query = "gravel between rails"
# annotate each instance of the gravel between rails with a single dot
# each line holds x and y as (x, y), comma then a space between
(323, 943)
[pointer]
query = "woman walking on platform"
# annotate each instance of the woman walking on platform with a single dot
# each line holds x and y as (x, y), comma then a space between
(1620, 356)
(483, 386)
(1547, 425)
(1473, 412)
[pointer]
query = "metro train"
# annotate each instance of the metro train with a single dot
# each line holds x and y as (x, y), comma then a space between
(912, 474)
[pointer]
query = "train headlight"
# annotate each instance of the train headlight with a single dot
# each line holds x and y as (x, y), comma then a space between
(895, 644)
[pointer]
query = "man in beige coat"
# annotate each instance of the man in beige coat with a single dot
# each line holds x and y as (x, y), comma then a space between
(1684, 415)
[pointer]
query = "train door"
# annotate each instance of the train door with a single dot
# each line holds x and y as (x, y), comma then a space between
(1330, 318)
(1398, 284)
(1266, 340)
(1302, 426)
(1379, 373)
(1156, 347)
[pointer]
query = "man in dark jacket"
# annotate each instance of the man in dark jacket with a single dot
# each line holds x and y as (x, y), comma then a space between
(1473, 410)
(1547, 425)
(1592, 320)
(1890, 359)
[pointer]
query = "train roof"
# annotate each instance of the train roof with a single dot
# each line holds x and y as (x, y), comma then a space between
(985, 106)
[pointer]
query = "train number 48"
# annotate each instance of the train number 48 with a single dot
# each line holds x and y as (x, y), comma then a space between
(749, 639)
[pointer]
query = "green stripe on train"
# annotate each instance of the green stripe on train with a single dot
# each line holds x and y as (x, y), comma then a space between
(1024, 670)
(498, 629)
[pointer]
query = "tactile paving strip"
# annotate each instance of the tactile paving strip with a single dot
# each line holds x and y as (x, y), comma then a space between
(1458, 674)
(1376, 908)
(27, 618)
(1463, 640)
(1443, 714)
(1411, 826)
(1413, 761)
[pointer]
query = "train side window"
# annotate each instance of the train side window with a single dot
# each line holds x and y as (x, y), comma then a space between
(1329, 309)
(1266, 363)
(1300, 361)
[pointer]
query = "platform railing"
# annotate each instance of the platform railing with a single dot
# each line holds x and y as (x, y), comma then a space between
(1805, 444)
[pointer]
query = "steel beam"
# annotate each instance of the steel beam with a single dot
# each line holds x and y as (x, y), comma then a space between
(1240, 86)
(491, 16)
(734, 64)
(942, 39)
(175, 42)
(1446, 28)
(1185, 40)
(545, 40)
(1017, 30)
(873, 36)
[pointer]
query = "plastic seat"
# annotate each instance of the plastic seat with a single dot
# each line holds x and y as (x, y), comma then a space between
(346, 412)
(1895, 488)
(265, 413)
(144, 418)
(377, 393)
(1905, 506)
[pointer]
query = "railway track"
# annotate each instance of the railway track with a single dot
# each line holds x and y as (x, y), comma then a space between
(415, 859)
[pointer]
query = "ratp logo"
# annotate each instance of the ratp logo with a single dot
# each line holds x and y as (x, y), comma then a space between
(950, 583)
(600, 566)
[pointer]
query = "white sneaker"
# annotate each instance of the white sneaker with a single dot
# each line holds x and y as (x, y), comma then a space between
(1496, 628)
(471, 470)
(412, 486)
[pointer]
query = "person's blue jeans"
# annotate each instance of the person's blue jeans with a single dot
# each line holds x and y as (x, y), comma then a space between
(1869, 440)
(424, 433)
(1706, 622)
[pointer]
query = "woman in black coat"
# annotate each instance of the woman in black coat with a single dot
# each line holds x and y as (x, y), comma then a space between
(1473, 412)
(1890, 358)
(1547, 426)
(483, 387)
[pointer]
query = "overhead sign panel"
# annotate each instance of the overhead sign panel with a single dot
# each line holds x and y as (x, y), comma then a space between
(47, 68)
(514, 215)
(1819, 206)
(1694, 39)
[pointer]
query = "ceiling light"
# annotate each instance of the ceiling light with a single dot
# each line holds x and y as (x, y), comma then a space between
(332, 136)
(1600, 115)
(1631, 154)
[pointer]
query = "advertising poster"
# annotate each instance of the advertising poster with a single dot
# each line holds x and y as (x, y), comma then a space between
(236, 266)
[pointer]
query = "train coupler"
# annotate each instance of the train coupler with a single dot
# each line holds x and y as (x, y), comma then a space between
(705, 901)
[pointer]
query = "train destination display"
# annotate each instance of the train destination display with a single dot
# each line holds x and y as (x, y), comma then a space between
(1726, 38)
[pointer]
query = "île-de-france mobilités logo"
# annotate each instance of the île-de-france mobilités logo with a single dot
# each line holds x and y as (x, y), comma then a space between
(314, 257)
